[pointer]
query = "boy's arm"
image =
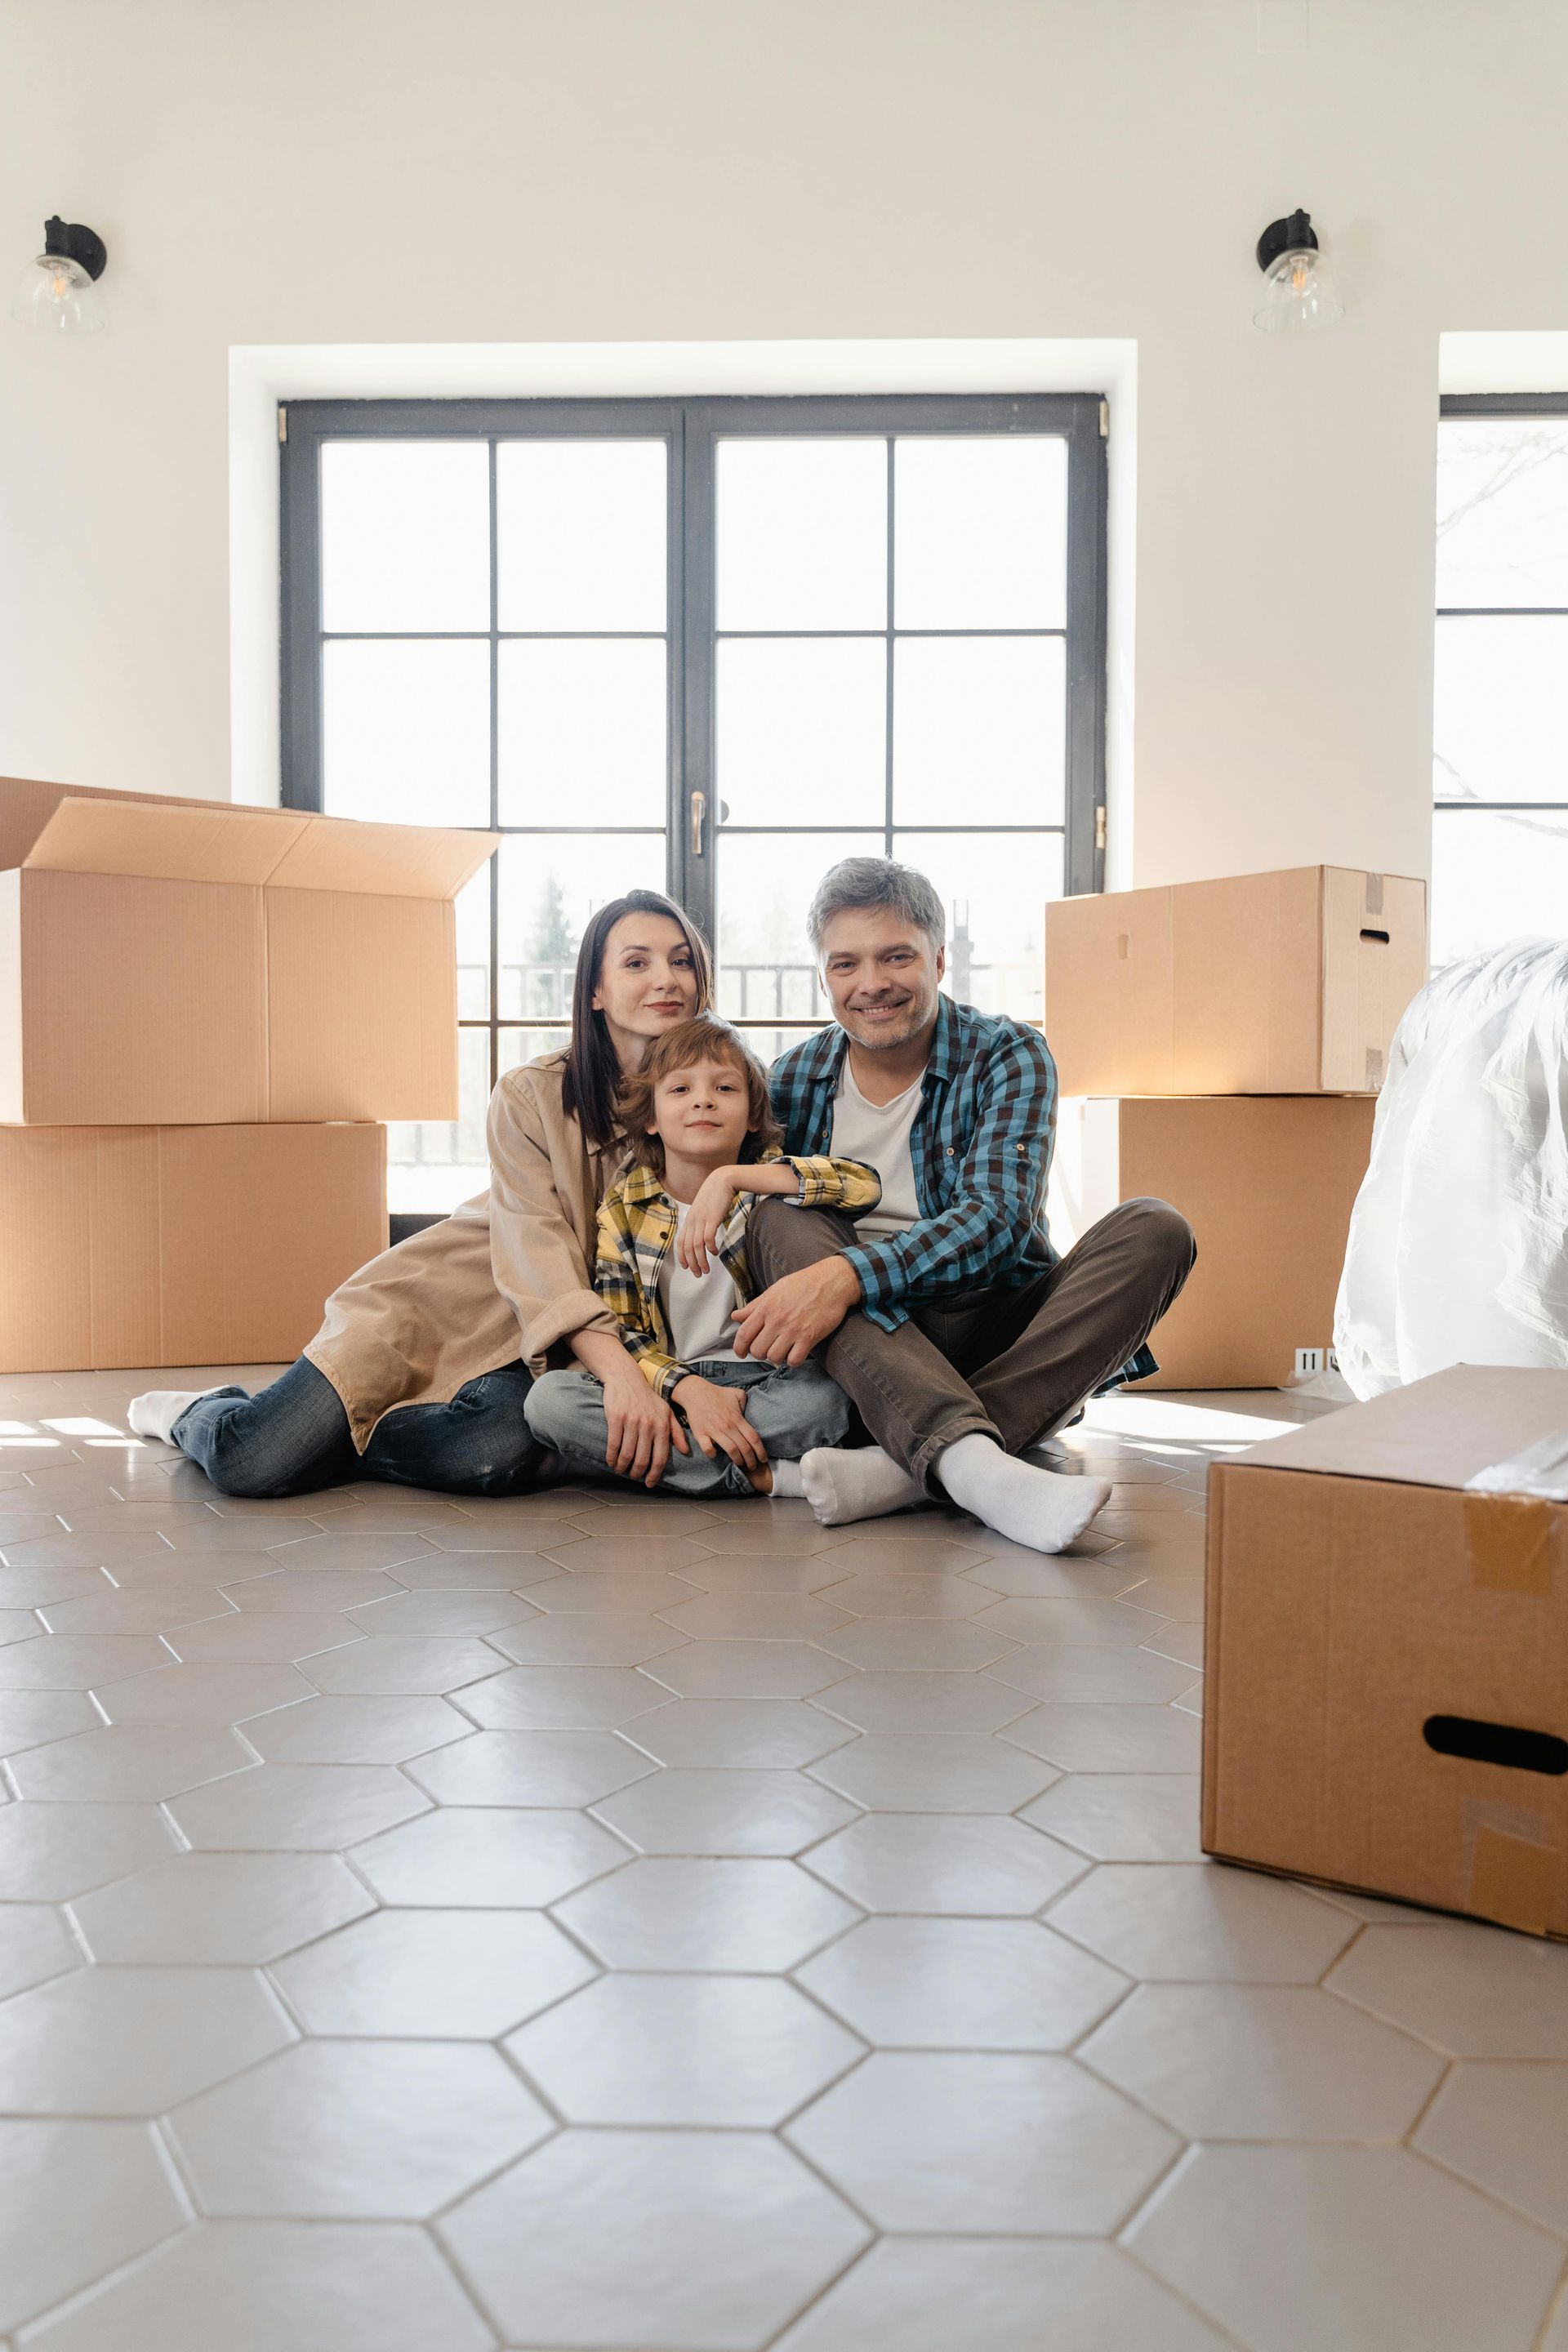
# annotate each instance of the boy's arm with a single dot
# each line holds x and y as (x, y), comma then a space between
(617, 1280)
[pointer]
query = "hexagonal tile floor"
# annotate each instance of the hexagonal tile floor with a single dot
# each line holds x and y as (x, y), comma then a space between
(586, 1920)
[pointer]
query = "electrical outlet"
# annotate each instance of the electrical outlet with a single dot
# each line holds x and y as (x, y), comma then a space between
(1311, 1360)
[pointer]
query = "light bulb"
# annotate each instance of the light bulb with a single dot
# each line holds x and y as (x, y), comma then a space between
(58, 292)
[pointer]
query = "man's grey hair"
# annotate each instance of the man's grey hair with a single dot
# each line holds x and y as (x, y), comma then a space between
(876, 882)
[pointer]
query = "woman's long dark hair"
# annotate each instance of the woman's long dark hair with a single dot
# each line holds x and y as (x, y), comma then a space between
(593, 1071)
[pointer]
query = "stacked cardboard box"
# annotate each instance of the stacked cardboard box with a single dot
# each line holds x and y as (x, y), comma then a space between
(1387, 1648)
(1220, 1044)
(204, 1011)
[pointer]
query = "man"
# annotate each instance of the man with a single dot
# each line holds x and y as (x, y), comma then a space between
(948, 1318)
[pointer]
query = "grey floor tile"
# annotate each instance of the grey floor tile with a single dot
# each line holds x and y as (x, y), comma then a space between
(923, 1702)
(1262, 2061)
(28, 1718)
(765, 1733)
(260, 1641)
(36, 1943)
(1087, 1677)
(345, 2130)
(1170, 1921)
(679, 1812)
(378, 1729)
(77, 2199)
(1124, 1816)
(529, 1768)
(220, 1907)
(123, 1763)
(137, 1608)
(917, 1641)
(312, 1593)
(303, 1808)
(680, 1912)
(921, 1772)
(976, 1865)
(963, 1984)
(561, 1698)
(1113, 1737)
(407, 1667)
(280, 2287)
(488, 1858)
(79, 1661)
(998, 2295)
(204, 1694)
(132, 2041)
(735, 2050)
(444, 1613)
(756, 1616)
(1361, 2249)
(720, 2238)
(749, 1670)
(1475, 1992)
(1020, 2146)
(625, 1553)
(49, 1852)
(461, 1975)
(1504, 2126)
(589, 1638)
(890, 1595)
(379, 1548)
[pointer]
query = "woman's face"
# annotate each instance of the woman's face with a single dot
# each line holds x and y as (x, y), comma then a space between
(646, 983)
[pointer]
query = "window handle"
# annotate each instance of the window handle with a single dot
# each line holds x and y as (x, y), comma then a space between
(698, 811)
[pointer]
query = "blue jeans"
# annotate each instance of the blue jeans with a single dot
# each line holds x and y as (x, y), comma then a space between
(791, 1411)
(293, 1438)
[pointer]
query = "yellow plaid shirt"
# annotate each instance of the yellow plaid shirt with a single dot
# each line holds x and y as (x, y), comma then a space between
(636, 1230)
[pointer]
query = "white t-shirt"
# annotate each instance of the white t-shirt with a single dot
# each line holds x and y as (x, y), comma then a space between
(878, 1133)
(699, 1308)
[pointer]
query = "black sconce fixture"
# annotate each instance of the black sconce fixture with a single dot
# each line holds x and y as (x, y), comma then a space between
(58, 291)
(1301, 295)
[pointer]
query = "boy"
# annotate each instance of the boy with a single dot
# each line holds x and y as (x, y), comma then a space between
(672, 1264)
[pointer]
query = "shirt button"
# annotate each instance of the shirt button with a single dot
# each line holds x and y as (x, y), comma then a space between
(950, 1152)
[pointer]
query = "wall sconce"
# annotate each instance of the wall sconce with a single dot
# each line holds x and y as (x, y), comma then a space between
(58, 290)
(1301, 295)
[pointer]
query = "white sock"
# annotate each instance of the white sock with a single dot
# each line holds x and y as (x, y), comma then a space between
(1037, 1507)
(787, 1480)
(154, 1415)
(843, 1483)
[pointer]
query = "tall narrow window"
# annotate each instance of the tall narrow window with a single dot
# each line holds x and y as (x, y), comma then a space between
(1499, 855)
(709, 645)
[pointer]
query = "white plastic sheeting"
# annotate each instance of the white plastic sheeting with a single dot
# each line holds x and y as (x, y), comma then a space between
(1459, 1242)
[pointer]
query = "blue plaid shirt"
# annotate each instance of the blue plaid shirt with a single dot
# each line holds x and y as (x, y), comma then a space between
(980, 1147)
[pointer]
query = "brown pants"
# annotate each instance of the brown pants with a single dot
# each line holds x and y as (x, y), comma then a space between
(1011, 1364)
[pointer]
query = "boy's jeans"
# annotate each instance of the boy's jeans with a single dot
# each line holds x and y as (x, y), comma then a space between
(791, 1411)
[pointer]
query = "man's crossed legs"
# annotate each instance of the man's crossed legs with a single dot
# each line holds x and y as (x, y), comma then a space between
(1003, 1366)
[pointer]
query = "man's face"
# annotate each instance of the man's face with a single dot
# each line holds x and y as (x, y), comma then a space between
(882, 974)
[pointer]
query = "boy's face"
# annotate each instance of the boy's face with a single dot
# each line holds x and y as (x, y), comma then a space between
(701, 1112)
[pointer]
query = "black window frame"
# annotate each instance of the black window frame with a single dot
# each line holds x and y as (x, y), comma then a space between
(691, 429)
(1453, 405)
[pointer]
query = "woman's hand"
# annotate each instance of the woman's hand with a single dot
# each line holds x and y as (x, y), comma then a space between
(640, 1428)
(698, 1233)
(717, 1419)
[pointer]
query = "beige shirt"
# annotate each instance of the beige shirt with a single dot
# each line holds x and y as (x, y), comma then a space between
(509, 1275)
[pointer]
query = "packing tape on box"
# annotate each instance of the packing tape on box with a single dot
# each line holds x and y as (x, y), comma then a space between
(1374, 1069)
(1374, 894)
(1538, 1469)
(1514, 1881)
(1510, 1541)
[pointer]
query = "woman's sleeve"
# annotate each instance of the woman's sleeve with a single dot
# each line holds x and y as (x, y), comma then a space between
(535, 1255)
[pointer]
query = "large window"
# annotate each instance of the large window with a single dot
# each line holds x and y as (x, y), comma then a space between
(711, 645)
(1499, 858)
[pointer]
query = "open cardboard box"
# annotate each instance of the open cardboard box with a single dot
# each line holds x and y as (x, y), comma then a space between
(1287, 983)
(1386, 1701)
(1266, 1183)
(179, 1245)
(170, 962)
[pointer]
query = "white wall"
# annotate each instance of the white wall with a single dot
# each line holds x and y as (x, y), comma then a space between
(322, 171)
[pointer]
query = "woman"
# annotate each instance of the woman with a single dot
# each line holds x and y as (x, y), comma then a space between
(418, 1374)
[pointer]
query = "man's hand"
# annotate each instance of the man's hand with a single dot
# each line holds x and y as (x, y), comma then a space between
(716, 1417)
(639, 1428)
(785, 1322)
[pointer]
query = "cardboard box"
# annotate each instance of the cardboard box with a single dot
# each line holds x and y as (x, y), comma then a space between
(1266, 1183)
(168, 963)
(179, 1245)
(1386, 1705)
(1264, 984)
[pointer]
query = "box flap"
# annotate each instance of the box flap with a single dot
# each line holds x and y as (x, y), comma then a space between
(393, 861)
(47, 828)
(176, 841)
(1438, 1432)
